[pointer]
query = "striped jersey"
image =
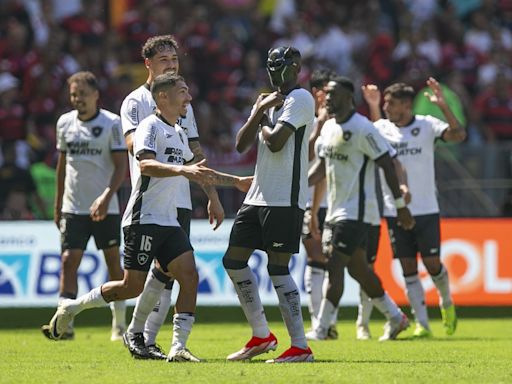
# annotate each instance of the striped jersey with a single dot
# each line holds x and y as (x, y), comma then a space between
(138, 105)
(88, 146)
(154, 200)
(349, 150)
(414, 145)
(280, 178)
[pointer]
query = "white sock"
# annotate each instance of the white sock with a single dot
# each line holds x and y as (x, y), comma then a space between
(387, 306)
(157, 317)
(327, 311)
(182, 325)
(291, 310)
(145, 303)
(442, 284)
(313, 280)
(118, 309)
(247, 291)
(71, 324)
(92, 299)
(416, 296)
(365, 308)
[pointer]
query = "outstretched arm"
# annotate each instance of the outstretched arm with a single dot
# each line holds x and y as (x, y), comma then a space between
(371, 95)
(455, 132)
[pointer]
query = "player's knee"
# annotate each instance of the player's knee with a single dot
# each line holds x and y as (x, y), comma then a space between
(69, 263)
(189, 277)
(277, 270)
(229, 263)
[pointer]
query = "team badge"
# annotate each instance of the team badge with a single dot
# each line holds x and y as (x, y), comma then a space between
(96, 131)
(415, 131)
(142, 258)
(347, 135)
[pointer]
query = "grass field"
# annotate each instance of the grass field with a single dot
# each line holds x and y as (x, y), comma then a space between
(479, 352)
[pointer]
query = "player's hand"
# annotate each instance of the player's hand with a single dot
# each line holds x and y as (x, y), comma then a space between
(273, 99)
(98, 209)
(405, 219)
(215, 213)
(199, 173)
(323, 115)
(57, 216)
(371, 94)
(244, 183)
(437, 96)
(406, 193)
(314, 227)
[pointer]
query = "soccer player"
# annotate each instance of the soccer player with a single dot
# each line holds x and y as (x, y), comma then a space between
(160, 56)
(90, 169)
(413, 136)
(314, 273)
(150, 222)
(271, 216)
(349, 148)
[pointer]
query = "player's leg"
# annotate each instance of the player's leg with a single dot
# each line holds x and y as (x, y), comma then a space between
(405, 249)
(371, 284)
(178, 257)
(314, 272)
(429, 240)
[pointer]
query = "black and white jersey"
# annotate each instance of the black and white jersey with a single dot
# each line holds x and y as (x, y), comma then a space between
(154, 200)
(316, 148)
(280, 178)
(349, 150)
(138, 105)
(88, 146)
(414, 145)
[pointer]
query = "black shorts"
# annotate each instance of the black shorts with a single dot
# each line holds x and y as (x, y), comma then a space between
(145, 242)
(184, 217)
(76, 230)
(372, 244)
(424, 238)
(275, 229)
(345, 236)
(306, 233)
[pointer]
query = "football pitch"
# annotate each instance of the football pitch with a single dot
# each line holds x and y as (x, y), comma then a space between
(479, 352)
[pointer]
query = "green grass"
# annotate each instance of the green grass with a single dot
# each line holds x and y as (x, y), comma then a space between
(479, 352)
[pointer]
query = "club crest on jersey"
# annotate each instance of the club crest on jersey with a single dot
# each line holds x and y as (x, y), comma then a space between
(415, 131)
(96, 131)
(347, 135)
(142, 258)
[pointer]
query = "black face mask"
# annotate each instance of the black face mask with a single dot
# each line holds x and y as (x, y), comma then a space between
(279, 66)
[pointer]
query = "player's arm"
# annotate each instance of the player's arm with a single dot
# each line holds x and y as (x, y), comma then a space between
(276, 137)
(215, 209)
(59, 186)
(247, 134)
(404, 215)
(99, 207)
(455, 132)
(318, 194)
(322, 117)
(401, 174)
(317, 172)
(372, 96)
(128, 138)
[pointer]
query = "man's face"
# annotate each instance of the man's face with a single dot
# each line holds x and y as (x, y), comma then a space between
(335, 97)
(178, 98)
(83, 97)
(396, 110)
(166, 60)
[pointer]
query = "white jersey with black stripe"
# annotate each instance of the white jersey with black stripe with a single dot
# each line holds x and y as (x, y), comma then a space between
(349, 150)
(88, 146)
(414, 145)
(280, 178)
(138, 105)
(154, 200)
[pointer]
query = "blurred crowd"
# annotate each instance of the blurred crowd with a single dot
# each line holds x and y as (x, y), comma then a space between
(466, 44)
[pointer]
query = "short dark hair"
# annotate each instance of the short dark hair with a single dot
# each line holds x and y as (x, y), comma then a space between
(400, 91)
(344, 82)
(164, 81)
(320, 77)
(155, 44)
(84, 77)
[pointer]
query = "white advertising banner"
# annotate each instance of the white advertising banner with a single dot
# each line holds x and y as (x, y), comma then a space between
(30, 267)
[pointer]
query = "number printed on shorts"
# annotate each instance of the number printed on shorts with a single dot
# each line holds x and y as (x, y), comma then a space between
(145, 243)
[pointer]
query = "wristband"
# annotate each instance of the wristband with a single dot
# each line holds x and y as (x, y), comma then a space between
(399, 202)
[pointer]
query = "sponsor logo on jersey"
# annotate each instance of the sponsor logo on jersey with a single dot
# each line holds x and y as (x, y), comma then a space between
(415, 131)
(133, 114)
(82, 148)
(149, 140)
(168, 135)
(175, 155)
(96, 131)
(277, 245)
(14, 269)
(330, 152)
(402, 149)
(373, 143)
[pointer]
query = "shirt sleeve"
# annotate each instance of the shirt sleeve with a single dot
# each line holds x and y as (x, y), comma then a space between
(188, 155)
(145, 138)
(372, 143)
(438, 126)
(61, 140)
(298, 109)
(117, 142)
(130, 115)
(189, 124)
